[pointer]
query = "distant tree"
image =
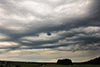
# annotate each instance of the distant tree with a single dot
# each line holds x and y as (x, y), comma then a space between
(1, 65)
(18, 66)
(64, 61)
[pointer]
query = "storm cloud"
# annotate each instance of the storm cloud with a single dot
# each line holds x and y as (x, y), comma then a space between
(49, 25)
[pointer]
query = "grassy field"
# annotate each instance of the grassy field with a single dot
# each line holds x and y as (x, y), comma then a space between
(71, 66)
(20, 65)
(45, 65)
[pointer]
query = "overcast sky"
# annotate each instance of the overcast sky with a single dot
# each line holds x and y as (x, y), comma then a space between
(47, 30)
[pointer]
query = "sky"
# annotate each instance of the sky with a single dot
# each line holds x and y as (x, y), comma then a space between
(48, 30)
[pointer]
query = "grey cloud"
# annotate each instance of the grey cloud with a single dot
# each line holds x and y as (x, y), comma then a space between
(35, 28)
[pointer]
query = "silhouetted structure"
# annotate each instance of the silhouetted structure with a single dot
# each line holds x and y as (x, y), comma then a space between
(64, 61)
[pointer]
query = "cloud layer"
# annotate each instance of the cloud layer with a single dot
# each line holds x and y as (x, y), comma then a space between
(49, 26)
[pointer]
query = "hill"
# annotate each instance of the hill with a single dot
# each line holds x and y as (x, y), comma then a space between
(93, 61)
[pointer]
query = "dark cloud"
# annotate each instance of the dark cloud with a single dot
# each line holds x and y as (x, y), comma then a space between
(63, 25)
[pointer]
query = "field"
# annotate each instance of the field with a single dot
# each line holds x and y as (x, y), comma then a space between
(71, 66)
(44, 65)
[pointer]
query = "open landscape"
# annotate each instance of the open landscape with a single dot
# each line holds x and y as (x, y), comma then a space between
(49, 33)
(64, 63)
(46, 65)
(71, 66)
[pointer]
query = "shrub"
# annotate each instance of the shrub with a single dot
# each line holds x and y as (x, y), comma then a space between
(18, 66)
(1, 65)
